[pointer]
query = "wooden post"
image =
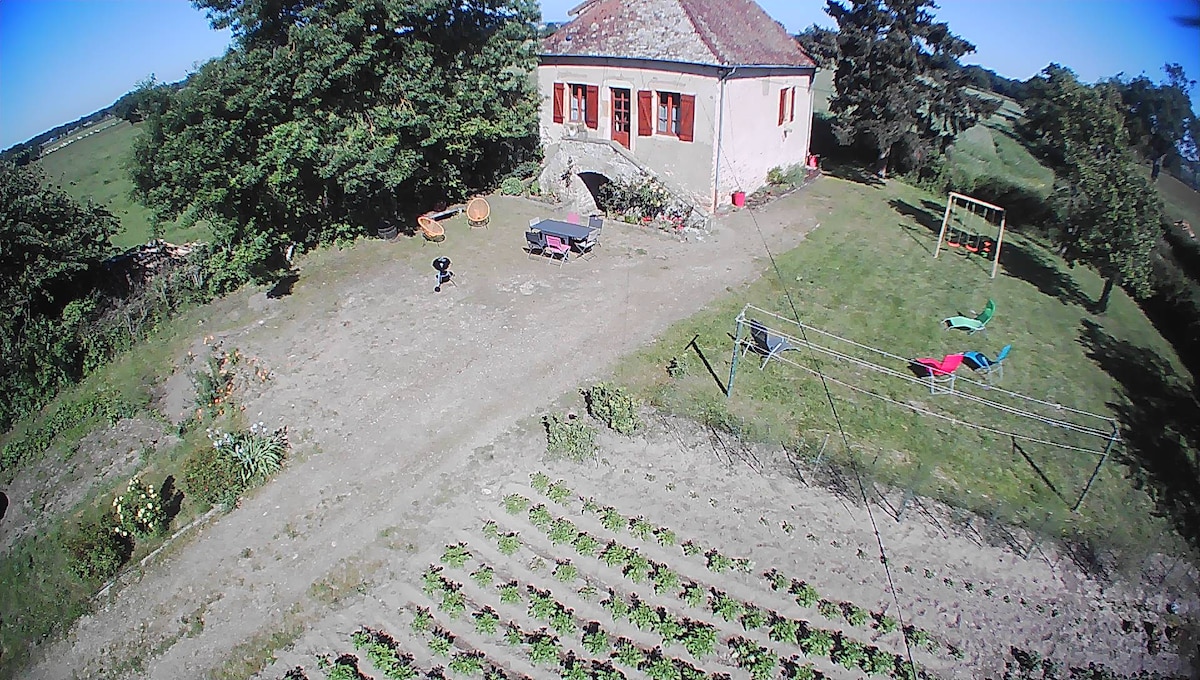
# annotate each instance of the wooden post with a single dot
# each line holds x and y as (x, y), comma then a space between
(1107, 448)
(999, 242)
(945, 221)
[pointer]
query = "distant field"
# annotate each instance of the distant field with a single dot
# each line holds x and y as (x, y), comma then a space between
(94, 168)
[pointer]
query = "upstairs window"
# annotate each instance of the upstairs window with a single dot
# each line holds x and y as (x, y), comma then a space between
(668, 114)
(575, 103)
(674, 115)
(787, 105)
(578, 103)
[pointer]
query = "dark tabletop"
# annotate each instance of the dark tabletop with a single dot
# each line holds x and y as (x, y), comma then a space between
(563, 229)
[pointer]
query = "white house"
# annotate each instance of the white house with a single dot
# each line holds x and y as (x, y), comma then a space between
(704, 95)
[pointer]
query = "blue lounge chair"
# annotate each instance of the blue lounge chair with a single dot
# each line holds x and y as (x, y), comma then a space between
(979, 362)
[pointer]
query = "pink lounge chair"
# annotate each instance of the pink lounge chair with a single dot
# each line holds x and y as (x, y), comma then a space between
(940, 373)
(556, 246)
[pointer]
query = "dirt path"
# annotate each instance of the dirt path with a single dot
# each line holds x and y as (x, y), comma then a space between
(386, 389)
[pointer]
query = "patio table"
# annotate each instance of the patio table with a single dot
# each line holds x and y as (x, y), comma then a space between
(566, 230)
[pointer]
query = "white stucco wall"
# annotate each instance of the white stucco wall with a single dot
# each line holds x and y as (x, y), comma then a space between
(752, 140)
(688, 166)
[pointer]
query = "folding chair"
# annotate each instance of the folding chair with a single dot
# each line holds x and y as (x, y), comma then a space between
(587, 244)
(764, 342)
(557, 247)
(535, 242)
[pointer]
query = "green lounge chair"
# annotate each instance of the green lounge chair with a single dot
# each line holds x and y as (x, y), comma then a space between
(976, 324)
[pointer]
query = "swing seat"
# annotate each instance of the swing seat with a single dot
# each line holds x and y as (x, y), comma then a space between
(953, 238)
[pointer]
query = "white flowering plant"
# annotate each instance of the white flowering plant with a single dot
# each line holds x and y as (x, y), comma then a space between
(138, 511)
(258, 451)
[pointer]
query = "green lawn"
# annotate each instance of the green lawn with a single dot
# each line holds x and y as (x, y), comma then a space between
(867, 275)
(95, 168)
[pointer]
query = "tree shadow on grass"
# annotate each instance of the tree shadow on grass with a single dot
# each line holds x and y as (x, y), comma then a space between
(1028, 264)
(923, 216)
(1160, 426)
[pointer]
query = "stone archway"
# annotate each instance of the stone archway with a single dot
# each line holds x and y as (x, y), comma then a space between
(593, 181)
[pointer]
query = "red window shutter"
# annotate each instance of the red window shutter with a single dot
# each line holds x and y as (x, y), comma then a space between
(645, 113)
(782, 105)
(687, 117)
(792, 108)
(558, 102)
(592, 116)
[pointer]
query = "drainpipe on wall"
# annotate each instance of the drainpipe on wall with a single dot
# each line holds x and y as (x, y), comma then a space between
(720, 130)
(812, 115)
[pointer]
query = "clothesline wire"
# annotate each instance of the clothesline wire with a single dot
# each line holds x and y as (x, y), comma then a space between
(906, 360)
(965, 395)
(952, 419)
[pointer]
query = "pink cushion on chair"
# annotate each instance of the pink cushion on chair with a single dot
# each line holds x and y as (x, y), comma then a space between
(573, 218)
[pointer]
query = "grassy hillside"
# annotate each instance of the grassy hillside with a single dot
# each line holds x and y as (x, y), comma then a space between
(1180, 201)
(95, 168)
(893, 299)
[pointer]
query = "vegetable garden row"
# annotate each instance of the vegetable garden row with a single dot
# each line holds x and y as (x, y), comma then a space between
(550, 598)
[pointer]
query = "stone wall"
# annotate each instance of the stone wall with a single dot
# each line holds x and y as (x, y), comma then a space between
(568, 158)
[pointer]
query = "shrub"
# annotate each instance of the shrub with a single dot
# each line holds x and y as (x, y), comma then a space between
(612, 406)
(212, 478)
(96, 550)
(138, 512)
(567, 436)
(512, 187)
(775, 176)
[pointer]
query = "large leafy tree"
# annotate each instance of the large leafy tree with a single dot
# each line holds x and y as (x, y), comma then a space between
(329, 115)
(51, 246)
(898, 81)
(1159, 117)
(1108, 215)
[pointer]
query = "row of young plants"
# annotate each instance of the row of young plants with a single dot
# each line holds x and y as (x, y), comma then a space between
(967, 585)
(804, 594)
(815, 642)
(561, 530)
(699, 638)
(545, 646)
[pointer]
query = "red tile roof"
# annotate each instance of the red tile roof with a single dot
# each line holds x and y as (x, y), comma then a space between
(722, 32)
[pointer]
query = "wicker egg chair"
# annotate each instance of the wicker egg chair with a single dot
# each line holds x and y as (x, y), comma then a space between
(430, 229)
(478, 212)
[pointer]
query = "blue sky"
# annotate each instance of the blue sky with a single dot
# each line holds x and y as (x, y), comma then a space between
(62, 59)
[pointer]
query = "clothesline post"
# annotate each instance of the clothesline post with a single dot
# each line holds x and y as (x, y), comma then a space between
(1104, 456)
(737, 342)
